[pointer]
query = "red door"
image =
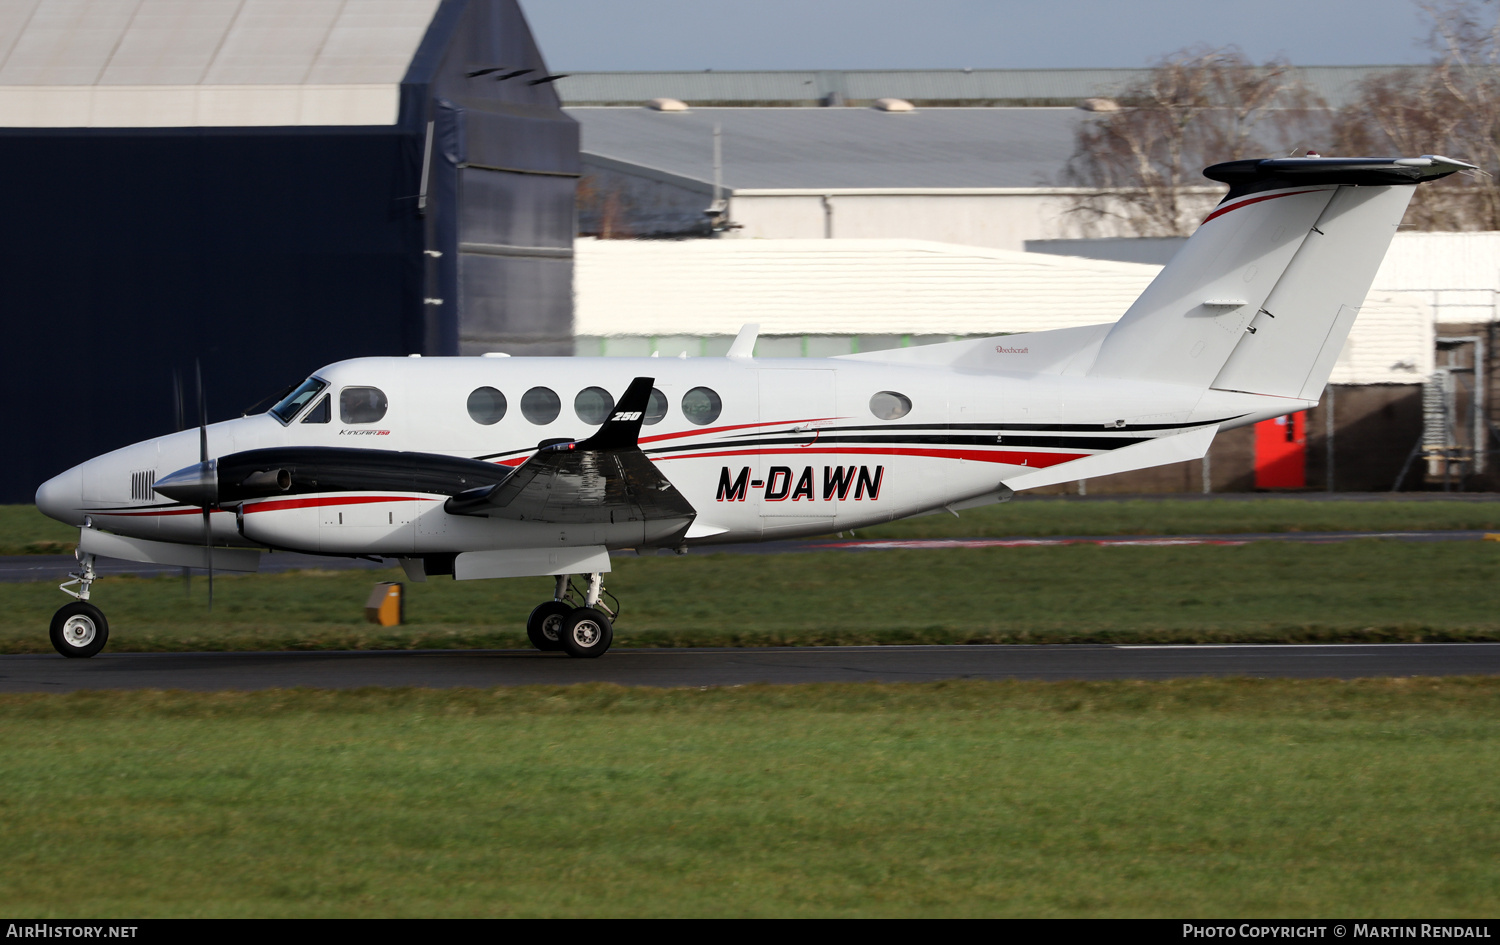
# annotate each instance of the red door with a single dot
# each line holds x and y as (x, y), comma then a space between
(1281, 452)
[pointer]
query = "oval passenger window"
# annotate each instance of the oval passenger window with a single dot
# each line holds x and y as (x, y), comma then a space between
(361, 404)
(656, 407)
(593, 405)
(540, 405)
(701, 406)
(889, 405)
(486, 405)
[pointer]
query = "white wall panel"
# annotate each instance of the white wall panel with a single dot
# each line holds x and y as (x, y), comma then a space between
(629, 291)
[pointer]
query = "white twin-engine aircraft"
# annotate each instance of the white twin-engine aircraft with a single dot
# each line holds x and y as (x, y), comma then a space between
(488, 468)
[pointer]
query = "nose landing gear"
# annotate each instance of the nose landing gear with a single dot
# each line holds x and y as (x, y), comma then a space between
(79, 629)
(581, 630)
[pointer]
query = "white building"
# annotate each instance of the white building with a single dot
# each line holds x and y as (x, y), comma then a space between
(827, 297)
(975, 176)
(1457, 274)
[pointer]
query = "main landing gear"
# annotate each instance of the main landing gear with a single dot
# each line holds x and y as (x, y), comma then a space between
(79, 629)
(584, 631)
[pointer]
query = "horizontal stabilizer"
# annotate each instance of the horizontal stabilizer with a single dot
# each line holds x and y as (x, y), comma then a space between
(1160, 451)
(1363, 172)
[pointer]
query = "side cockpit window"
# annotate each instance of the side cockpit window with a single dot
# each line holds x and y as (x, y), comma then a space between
(362, 404)
(293, 403)
(322, 413)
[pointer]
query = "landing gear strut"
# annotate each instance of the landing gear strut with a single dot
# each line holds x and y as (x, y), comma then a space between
(584, 631)
(79, 629)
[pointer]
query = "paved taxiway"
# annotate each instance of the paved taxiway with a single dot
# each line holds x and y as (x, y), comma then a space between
(728, 667)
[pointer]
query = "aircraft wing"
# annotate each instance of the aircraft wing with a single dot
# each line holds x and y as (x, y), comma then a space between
(603, 479)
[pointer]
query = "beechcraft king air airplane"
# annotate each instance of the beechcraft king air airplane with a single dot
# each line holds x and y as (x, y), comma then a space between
(513, 467)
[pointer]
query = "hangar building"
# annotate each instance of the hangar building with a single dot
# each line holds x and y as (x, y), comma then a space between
(976, 176)
(267, 186)
(809, 158)
(820, 298)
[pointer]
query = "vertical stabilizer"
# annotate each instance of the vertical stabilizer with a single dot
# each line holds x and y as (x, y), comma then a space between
(1184, 326)
(1301, 328)
(1263, 294)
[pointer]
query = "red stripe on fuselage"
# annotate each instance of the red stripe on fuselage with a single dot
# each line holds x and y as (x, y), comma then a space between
(1001, 456)
(738, 426)
(1245, 203)
(279, 505)
(518, 460)
(1012, 458)
(193, 510)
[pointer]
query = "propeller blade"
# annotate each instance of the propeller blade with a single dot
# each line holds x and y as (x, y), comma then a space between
(178, 408)
(208, 534)
(208, 543)
(202, 414)
(179, 421)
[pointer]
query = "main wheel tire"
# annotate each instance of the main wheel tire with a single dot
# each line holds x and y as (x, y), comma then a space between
(587, 633)
(79, 630)
(544, 626)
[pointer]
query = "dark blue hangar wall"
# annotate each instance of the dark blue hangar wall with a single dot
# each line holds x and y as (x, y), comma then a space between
(126, 254)
(500, 168)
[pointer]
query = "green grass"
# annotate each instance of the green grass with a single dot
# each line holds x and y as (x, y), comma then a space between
(1062, 516)
(1195, 798)
(24, 530)
(1365, 590)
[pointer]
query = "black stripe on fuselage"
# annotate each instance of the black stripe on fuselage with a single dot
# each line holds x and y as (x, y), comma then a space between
(1004, 440)
(1112, 437)
(1035, 427)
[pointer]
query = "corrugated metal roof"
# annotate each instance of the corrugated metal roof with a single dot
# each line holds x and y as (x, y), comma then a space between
(896, 287)
(124, 63)
(842, 147)
(1064, 87)
(636, 88)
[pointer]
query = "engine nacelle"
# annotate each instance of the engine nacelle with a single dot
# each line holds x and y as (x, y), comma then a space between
(334, 524)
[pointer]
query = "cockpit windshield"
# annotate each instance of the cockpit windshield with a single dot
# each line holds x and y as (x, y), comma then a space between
(297, 399)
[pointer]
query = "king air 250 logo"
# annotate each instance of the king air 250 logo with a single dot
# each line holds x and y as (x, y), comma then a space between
(783, 484)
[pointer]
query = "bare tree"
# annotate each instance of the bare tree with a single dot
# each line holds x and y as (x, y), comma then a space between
(603, 210)
(1140, 160)
(1451, 108)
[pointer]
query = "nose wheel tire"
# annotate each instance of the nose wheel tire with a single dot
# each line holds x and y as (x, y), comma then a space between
(79, 630)
(586, 633)
(544, 626)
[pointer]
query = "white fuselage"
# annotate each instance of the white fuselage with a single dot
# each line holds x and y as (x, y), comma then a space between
(794, 450)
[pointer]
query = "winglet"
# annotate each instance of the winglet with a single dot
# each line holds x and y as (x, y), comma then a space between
(744, 342)
(623, 427)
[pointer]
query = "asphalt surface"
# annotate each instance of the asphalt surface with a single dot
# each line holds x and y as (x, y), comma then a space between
(19, 568)
(730, 667)
(727, 667)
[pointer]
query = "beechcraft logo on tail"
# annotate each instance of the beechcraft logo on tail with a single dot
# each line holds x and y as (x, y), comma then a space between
(782, 484)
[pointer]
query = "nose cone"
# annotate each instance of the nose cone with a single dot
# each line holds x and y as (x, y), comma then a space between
(61, 497)
(193, 485)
